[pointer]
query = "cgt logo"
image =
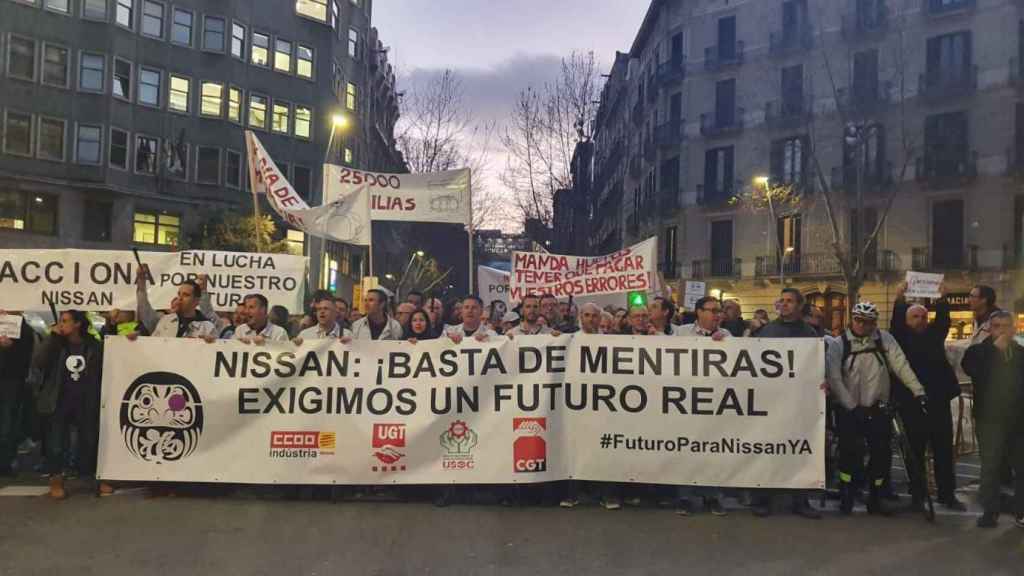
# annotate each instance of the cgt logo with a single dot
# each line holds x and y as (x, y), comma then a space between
(529, 450)
(289, 444)
(387, 439)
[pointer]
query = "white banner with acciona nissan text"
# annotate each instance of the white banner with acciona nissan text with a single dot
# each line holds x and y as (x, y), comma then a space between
(664, 410)
(439, 197)
(100, 280)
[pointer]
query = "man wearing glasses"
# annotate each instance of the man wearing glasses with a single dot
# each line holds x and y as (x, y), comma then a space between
(708, 325)
(858, 365)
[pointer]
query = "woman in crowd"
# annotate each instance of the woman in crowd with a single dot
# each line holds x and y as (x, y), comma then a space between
(68, 395)
(495, 312)
(420, 327)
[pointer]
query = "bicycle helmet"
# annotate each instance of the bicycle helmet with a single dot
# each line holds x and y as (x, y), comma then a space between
(865, 309)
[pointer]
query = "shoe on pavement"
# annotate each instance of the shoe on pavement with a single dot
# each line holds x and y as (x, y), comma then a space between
(57, 491)
(105, 489)
(804, 509)
(714, 505)
(988, 521)
(683, 508)
(1019, 521)
(954, 504)
(569, 503)
(611, 504)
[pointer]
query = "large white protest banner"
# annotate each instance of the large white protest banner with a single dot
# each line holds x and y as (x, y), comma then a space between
(439, 197)
(96, 280)
(345, 218)
(492, 284)
(629, 269)
(741, 413)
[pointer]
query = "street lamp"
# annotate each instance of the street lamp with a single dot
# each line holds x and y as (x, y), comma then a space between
(338, 122)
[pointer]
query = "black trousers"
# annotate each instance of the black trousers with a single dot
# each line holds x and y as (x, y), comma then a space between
(935, 430)
(9, 422)
(58, 438)
(873, 429)
(1001, 440)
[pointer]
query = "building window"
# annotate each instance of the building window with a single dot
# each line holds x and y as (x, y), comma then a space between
(296, 240)
(353, 42)
(175, 157)
(181, 31)
(213, 33)
(51, 139)
(36, 213)
(946, 145)
(302, 180)
(55, 65)
(207, 165)
(282, 55)
(118, 148)
(335, 14)
(260, 52)
(238, 40)
(212, 94)
(179, 93)
(718, 173)
(350, 96)
(94, 9)
(285, 168)
(304, 65)
(315, 9)
(349, 156)
(235, 104)
(149, 86)
(62, 6)
(21, 58)
(233, 169)
(18, 133)
(303, 121)
(158, 228)
(122, 86)
(147, 152)
(280, 120)
(125, 13)
(87, 145)
(258, 111)
(92, 72)
(152, 19)
(788, 161)
(97, 220)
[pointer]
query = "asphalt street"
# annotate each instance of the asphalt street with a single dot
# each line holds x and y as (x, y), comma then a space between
(253, 531)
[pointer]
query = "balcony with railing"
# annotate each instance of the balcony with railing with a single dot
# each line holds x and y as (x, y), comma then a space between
(787, 114)
(947, 7)
(871, 22)
(820, 264)
(721, 195)
(717, 268)
(972, 259)
(944, 84)
(669, 134)
(713, 125)
(721, 56)
(844, 178)
(860, 101)
(943, 171)
(670, 72)
(791, 41)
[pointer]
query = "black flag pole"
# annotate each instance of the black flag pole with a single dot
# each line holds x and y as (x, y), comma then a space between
(138, 260)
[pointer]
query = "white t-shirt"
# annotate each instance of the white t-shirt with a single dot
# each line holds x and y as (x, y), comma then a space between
(460, 330)
(318, 333)
(271, 332)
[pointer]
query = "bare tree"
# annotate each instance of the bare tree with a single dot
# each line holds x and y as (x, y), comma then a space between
(542, 131)
(844, 201)
(437, 131)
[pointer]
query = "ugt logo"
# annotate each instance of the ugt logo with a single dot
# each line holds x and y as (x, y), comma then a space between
(387, 438)
(458, 441)
(529, 450)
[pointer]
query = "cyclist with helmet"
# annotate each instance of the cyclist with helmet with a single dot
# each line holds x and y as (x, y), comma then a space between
(860, 363)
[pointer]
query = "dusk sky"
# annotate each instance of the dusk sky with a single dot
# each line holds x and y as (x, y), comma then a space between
(500, 47)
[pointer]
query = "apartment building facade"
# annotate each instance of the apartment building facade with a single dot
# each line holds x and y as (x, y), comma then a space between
(123, 120)
(917, 100)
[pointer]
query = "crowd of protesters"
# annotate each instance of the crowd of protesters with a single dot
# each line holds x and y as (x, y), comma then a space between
(49, 386)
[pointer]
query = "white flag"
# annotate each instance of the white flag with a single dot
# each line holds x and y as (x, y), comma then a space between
(343, 219)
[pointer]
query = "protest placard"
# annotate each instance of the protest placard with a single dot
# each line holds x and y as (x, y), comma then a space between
(10, 326)
(923, 284)
(629, 269)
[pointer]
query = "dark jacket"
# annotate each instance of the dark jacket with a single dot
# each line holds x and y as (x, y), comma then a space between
(926, 353)
(737, 327)
(16, 360)
(49, 359)
(998, 381)
(779, 328)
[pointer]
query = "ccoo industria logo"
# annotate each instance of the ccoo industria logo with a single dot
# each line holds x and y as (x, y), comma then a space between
(161, 417)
